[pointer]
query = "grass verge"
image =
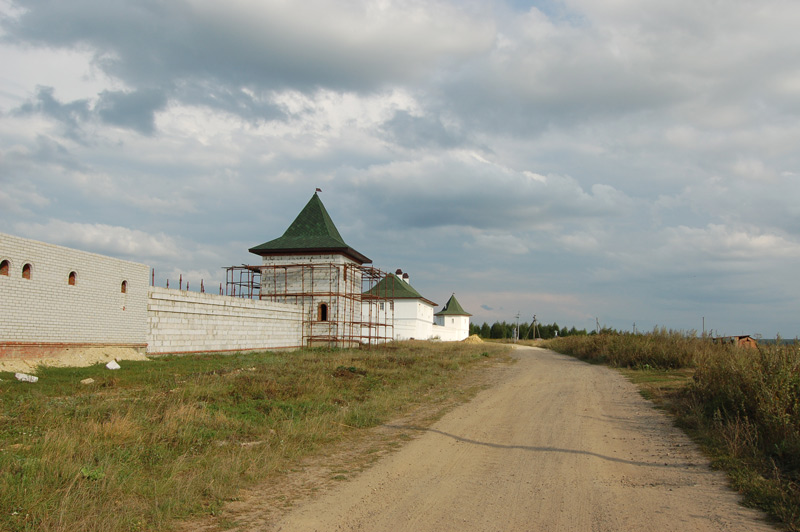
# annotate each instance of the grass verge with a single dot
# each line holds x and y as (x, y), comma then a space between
(741, 405)
(176, 437)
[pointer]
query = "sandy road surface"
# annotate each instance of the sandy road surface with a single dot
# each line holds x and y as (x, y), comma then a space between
(555, 445)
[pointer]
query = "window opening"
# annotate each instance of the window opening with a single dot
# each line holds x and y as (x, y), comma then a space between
(124, 287)
(4, 267)
(73, 277)
(323, 312)
(26, 271)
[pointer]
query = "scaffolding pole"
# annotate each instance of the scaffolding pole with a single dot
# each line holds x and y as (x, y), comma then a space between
(339, 306)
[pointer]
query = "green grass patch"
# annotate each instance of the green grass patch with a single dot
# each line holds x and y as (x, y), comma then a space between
(176, 437)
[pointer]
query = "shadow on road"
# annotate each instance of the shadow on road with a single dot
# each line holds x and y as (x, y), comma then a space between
(537, 449)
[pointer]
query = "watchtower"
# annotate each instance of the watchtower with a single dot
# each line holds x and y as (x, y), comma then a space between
(312, 266)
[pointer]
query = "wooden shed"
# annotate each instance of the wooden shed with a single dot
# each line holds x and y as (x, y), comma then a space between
(744, 340)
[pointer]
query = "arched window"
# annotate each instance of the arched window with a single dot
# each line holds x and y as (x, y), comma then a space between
(323, 312)
(73, 278)
(4, 267)
(26, 271)
(124, 287)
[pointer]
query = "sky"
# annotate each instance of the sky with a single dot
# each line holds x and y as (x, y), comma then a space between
(617, 162)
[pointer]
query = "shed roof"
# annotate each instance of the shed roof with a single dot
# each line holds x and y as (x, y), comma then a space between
(312, 231)
(393, 287)
(452, 308)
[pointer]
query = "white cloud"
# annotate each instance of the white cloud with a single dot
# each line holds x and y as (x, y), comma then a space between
(496, 243)
(634, 157)
(105, 239)
(25, 68)
(719, 243)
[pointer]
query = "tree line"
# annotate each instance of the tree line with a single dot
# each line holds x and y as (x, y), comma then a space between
(506, 330)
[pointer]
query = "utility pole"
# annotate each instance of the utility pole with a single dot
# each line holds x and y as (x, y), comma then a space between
(516, 331)
(597, 324)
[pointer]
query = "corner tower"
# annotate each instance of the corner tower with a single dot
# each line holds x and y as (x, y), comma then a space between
(311, 265)
(454, 316)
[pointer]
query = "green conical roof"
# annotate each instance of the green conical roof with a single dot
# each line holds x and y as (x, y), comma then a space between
(393, 287)
(452, 308)
(312, 231)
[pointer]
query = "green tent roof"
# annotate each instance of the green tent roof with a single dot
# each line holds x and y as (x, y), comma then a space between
(393, 287)
(312, 231)
(452, 308)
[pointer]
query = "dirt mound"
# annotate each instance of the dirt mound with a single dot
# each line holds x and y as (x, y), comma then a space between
(83, 356)
(474, 339)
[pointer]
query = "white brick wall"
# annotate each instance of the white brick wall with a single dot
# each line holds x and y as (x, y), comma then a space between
(449, 334)
(313, 280)
(46, 309)
(184, 322)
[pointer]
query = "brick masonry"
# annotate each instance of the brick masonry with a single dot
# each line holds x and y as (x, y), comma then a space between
(75, 300)
(184, 322)
(45, 313)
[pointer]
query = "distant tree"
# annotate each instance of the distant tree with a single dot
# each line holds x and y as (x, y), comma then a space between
(524, 330)
(500, 330)
(497, 330)
(486, 331)
(548, 331)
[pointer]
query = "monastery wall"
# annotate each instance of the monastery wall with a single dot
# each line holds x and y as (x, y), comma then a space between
(185, 322)
(451, 328)
(53, 298)
(55, 301)
(448, 334)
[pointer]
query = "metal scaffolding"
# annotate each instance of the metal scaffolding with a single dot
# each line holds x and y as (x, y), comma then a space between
(339, 306)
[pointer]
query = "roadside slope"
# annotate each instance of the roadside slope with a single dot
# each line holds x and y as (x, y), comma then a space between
(556, 445)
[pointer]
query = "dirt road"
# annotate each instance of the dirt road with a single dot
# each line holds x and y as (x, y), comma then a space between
(555, 445)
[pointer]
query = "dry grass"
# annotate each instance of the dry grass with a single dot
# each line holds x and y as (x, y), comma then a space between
(742, 405)
(176, 437)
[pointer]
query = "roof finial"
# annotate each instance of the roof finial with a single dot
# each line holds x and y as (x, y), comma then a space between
(319, 189)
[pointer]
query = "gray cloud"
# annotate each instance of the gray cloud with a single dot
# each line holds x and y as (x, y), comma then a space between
(70, 115)
(134, 110)
(346, 46)
(422, 131)
(578, 159)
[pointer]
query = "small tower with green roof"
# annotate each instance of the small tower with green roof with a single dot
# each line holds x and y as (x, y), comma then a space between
(453, 316)
(411, 314)
(311, 265)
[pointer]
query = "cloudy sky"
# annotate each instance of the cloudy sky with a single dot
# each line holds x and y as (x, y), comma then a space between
(625, 161)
